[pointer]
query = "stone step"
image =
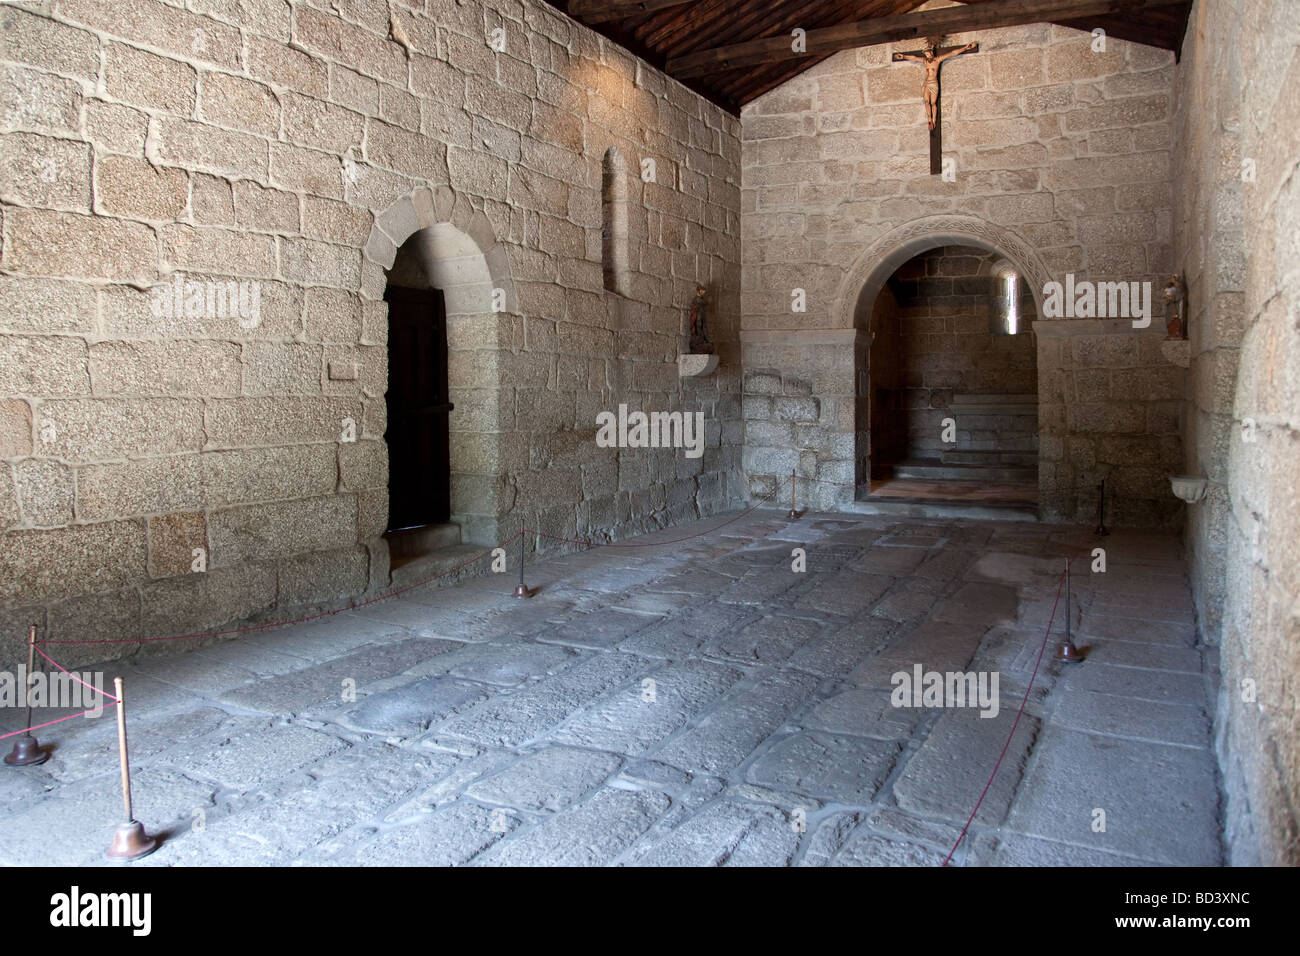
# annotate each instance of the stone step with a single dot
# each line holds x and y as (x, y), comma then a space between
(441, 567)
(1024, 410)
(1025, 443)
(995, 398)
(921, 508)
(935, 468)
(413, 542)
(1016, 458)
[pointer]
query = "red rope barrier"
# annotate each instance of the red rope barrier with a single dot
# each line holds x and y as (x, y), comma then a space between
(1016, 723)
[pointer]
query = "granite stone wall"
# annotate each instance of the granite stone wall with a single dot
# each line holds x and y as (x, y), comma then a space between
(1210, 250)
(1061, 164)
(1237, 237)
(164, 471)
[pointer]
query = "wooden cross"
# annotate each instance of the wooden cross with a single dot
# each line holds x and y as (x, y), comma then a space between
(932, 59)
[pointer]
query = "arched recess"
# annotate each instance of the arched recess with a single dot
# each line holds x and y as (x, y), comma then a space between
(459, 255)
(614, 222)
(859, 291)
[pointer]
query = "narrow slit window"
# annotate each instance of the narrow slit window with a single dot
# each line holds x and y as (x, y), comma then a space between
(1012, 293)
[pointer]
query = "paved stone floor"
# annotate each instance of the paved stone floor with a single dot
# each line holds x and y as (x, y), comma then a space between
(688, 703)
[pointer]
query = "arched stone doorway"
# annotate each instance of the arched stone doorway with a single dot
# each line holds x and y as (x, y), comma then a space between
(440, 244)
(975, 406)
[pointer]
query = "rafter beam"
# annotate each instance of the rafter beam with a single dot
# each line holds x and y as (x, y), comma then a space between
(907, 26)
(602, 11)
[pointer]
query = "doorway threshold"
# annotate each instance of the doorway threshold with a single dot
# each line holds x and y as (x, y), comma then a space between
(945, 498)
(438, 568)
(410, 544)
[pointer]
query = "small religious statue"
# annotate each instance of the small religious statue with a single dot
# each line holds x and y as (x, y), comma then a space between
(699, 335)
(1175, 296)
(932, 59)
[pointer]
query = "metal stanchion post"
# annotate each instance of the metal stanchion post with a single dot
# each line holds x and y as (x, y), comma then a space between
(1068, 652)
(1101, 509)
(523, 591)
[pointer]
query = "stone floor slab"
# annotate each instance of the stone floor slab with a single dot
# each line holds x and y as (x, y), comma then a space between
(514, 719)
(863, 713)
(411, 708)
(870, 849)
(1160, 801)
(736, 726)
(840, 769)
(946, 777)
(726, 833)
(550, 779)
(1168, 723)
(303, 689)
(641, 717)
(593, 834)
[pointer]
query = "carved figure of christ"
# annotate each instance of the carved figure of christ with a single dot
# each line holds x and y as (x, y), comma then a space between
(932, 59)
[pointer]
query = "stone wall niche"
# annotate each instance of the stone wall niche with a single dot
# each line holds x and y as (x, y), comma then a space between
(614, 222)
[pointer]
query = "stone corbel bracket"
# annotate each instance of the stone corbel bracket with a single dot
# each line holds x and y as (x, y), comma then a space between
(694, 365)
(1190, 488)
(1177, 352)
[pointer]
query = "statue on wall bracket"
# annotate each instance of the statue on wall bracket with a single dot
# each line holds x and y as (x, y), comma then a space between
(699, 327)
(1175, 299)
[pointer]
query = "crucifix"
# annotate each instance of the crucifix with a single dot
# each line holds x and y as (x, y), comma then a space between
(932, 59)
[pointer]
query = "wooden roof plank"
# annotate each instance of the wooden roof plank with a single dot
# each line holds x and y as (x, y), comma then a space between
(603, 11)
(666, 32)
(947, 20)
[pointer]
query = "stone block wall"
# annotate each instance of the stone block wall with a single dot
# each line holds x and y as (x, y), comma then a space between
(1238, 239)
(800, 415)
(296, 145)
(1109, 406)
(1210, 251)
(1062, 165)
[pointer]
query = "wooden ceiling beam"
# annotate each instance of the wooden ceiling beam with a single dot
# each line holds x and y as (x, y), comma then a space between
(602, 11)
(910, 26)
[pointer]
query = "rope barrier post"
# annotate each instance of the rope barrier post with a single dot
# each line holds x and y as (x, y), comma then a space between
(130, 842)
(27, 752)
(1101, 510)
(523, 591)
(793, 514)
(1068, 652)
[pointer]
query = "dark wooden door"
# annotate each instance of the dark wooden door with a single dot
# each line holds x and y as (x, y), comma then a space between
(419, 464)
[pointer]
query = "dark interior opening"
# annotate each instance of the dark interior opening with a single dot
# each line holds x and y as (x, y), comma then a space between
(419, 462)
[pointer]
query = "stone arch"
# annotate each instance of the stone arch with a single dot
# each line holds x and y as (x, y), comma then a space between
(858, 292)
(863, 282)
(460, 255)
